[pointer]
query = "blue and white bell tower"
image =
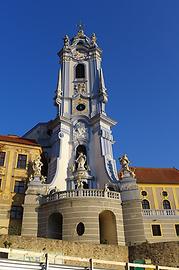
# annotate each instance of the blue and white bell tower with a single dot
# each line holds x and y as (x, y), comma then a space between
(82, 155)
(83, 199)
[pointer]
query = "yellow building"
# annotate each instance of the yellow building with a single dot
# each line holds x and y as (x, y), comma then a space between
(16, 153)
(159, 193)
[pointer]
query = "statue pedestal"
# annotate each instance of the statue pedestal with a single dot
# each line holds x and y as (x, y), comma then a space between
(132, 211)
(31, 204)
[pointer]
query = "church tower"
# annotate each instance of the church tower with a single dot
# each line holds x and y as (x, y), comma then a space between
(81, 133)
(81, 200)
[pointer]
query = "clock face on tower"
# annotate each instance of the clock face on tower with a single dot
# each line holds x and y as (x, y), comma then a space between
(80, 107)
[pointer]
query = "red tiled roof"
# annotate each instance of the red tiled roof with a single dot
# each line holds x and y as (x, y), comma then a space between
(17, 139)
(157, 175)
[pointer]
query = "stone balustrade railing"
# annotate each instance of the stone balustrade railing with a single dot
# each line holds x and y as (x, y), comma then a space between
(95, 193)
(160, 212)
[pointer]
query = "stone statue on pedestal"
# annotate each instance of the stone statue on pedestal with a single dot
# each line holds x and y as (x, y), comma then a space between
(37, 165)
(81, 161)
(66, 41)
(125, 170)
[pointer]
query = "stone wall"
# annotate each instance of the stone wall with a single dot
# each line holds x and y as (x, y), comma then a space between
(166, 253)
(83, 250)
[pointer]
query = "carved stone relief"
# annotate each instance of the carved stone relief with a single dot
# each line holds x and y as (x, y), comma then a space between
(80, 88)
(80, 131)
(79, 55)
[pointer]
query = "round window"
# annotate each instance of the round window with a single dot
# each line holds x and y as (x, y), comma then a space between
(164, 193)
(80, 229)
(80, 107)
(144, 193)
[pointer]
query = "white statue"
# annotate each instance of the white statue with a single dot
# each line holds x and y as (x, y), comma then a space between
(81, 161)
(93, 38)
(66, 41)
(106, 188)
(36, 166)
(80, 183)
(43, 179)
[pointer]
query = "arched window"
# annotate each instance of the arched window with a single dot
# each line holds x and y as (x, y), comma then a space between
(55, 226)
(80, 71)
(166, 204)
(107, 228)
(145, 204)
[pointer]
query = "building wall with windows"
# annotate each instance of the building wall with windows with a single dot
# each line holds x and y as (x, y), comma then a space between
(159, 194)
(16, 153)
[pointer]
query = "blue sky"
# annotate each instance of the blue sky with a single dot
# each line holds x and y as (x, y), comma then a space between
(140, 42)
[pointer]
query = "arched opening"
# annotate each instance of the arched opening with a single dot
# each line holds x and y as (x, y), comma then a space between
(80, 43)
(166, 204)
(107, 228)
(145, 204)
(81, 149)
(55, 226)
(85, 185)
(80, 71)
(111, 188)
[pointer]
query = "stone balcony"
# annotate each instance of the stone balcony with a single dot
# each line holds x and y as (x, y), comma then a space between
(165, 213)
(80, 193)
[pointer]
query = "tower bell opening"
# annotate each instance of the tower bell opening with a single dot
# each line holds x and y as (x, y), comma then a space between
(80, 71)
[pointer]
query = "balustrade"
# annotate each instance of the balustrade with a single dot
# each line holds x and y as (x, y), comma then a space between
(80, 193)
(160, 212)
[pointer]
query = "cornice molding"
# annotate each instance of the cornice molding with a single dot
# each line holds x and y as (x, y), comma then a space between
(103, 118)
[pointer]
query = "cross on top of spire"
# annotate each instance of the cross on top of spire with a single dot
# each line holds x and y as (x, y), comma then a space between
(80, 27)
